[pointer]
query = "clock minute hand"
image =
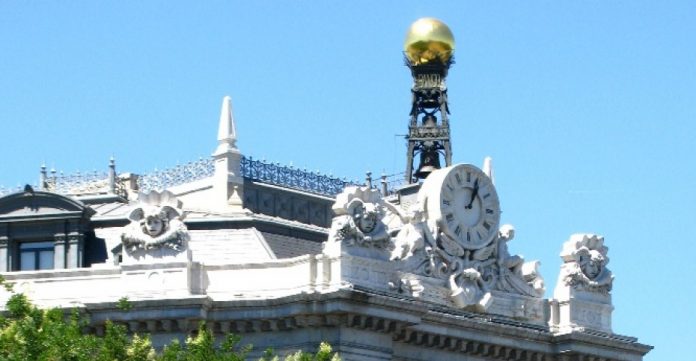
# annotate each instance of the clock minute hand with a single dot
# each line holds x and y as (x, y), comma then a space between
(474, 193)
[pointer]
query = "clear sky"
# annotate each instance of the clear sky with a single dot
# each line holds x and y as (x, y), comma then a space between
(587, 108)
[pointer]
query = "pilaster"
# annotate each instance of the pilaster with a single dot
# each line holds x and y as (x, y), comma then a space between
(75, 245)
(4, 243)
(59, 250)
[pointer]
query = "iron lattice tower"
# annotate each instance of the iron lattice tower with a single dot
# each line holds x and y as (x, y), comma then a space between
(428, 130)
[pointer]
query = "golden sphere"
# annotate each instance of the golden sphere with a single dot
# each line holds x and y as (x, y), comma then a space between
(428, 39)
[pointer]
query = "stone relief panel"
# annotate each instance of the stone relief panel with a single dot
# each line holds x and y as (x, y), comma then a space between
(156, 223)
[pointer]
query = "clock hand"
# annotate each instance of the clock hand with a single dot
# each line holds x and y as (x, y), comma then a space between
(474, 193)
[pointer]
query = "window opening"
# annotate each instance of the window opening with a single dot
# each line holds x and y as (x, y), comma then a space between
(36, 255)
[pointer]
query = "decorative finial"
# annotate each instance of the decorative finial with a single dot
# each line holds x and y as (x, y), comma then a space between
(112, 175)
(428, 40)
(227, 133)
(42, 178)
(488, 168)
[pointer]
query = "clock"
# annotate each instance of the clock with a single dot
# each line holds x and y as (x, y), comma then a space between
(462, 202)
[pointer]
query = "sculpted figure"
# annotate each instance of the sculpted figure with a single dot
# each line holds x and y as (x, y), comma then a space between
(505, 260)
(585, 259)
(155, 223)
(412, 235)
(514, 273)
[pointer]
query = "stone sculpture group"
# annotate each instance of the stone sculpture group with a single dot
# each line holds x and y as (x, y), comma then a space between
(367, 225)
(407, 243)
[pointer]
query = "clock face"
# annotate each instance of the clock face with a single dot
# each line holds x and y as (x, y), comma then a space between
(464, 203)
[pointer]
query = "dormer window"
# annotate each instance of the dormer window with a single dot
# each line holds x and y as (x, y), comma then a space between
(42, 230)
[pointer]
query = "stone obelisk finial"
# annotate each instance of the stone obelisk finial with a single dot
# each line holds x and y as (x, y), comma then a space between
(227, 133)
(228, 181)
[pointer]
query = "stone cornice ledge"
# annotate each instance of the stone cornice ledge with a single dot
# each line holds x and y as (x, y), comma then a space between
(407, 322)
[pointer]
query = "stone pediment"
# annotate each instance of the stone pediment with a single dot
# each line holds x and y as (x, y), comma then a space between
(31, 205)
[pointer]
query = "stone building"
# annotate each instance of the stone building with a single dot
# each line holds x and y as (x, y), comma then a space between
(288, 258)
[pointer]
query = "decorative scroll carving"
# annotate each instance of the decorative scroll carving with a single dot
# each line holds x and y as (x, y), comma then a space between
(585, 260)
(470, 274)
(157, 222)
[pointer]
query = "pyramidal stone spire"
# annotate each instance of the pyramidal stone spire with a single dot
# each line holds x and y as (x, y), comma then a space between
(227, 180)
(227, 133)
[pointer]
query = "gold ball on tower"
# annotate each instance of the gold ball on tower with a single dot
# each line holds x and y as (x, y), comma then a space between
(428, 40)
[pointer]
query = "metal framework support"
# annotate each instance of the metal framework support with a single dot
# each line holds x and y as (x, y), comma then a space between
(428, 132)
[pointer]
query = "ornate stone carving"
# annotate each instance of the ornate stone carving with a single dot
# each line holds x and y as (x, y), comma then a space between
(413, 235)
(358, 221)
(464, 264)
(585, 260)
(410, 286)
(156, 222)
(516, 275)
(582, 298)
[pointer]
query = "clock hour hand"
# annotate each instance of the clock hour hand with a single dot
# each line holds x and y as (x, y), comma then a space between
(474, 193)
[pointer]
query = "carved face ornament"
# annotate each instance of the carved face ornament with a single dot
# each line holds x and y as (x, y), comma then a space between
(153, 225)
(154, 221)
(366, 219)
(507, 232)
(591, 263)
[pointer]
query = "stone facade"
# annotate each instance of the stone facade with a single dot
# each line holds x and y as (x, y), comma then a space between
(424, 274)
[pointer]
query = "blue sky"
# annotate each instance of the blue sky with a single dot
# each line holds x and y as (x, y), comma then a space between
(587, 108)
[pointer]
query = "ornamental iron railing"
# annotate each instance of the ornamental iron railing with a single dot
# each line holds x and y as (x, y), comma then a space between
(78, 183)
(252, 169)
(291, 177)
(7, 190)
(180, 174)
